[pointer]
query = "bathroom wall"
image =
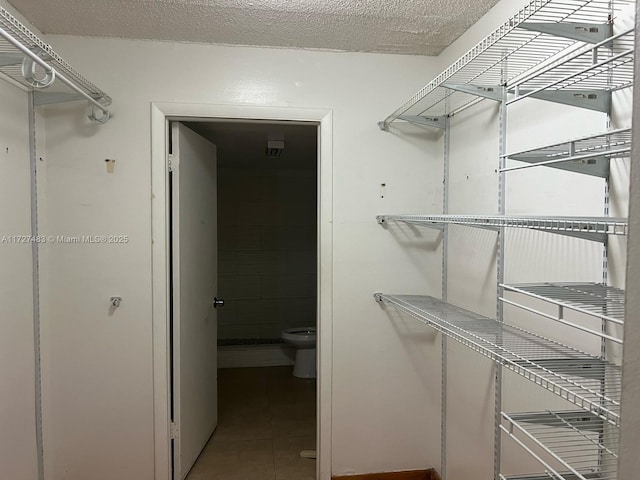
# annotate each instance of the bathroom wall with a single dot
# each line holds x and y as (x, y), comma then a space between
(267, 251)
(267, 220)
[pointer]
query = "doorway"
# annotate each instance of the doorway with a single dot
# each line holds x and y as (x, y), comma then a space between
(161, 115)
(266, 275)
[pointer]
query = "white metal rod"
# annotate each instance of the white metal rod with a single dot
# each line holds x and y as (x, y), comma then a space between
(563, 321)
(575, 140)
(567, 305)
(565, 78)
(534, 455)
(48, 68)
(567, 159)
(73, 86)
(468, 105)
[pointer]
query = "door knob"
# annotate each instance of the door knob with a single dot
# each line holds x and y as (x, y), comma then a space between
(218, 302)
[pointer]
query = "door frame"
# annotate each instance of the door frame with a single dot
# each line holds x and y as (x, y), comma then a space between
(161, 114)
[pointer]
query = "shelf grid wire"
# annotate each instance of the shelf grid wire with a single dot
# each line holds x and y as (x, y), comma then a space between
(549, 475)
(584, 380)
(580, 442)
(606, 66)
(522, 49)
(596, 225)
(613, 144)
(595, 299)
(23, 35)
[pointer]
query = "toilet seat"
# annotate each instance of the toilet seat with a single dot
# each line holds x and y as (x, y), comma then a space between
(301, 336)
(304, 341)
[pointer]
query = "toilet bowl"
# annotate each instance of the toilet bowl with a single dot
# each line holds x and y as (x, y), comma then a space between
(304, 340)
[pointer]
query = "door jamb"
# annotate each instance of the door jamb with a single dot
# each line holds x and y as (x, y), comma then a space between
(161, 114)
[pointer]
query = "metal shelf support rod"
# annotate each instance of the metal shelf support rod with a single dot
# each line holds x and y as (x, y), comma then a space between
(9, 38)
(575, 140)
(512, 288)
(49, 69)
(580, 72)
(587, 156)
(559, 319)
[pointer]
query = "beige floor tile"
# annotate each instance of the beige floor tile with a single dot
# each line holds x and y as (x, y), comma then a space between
(289, 465)
(293, 419)
(244, 426)
(292, 394)
(266, 416)
(233, 400)
(243, 460)
(247, 376)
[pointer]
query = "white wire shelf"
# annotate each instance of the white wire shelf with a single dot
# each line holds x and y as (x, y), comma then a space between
(585, 77)
(582, 443)
(590, 228)
(589, 155)
(30, 62)
(590, 383)
(505, 55)
(593, 299)
(549, 475)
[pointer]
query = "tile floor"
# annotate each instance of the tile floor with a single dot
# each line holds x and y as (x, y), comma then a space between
(265, 417)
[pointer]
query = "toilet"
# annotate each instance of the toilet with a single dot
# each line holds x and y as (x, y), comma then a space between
(304, 340)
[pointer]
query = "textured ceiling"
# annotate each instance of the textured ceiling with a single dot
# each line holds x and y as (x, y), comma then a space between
(420, 27)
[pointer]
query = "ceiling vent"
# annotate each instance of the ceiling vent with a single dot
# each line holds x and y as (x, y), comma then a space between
(274, 148)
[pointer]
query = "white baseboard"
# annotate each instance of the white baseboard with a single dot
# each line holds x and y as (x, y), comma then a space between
(242, 356)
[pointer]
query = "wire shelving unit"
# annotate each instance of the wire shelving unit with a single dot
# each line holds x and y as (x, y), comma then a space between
(580, 443)
(588, 74)
(589, 155)
(584, 380)
(32, 64)
(567, 52)
(592, 228)
(524, 43)
(593, 299)
(549, 475)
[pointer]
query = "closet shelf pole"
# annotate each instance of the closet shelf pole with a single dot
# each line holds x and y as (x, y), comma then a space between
(52, 71)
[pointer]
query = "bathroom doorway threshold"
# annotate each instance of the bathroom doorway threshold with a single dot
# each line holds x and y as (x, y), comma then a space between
(161, 115)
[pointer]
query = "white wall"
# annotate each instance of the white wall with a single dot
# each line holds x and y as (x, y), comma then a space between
(385, 382)
(18, 457)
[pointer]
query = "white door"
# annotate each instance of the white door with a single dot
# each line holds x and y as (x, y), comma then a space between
(194, 276)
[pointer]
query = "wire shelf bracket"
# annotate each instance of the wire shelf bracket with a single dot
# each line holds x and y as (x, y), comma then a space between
(594, 299)
(542, 32)
(589, 382)
(598, 100)
(492, 92)
(588, 155)
(582, 32)
(435, 122)
(33, 64)
(588, 75)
